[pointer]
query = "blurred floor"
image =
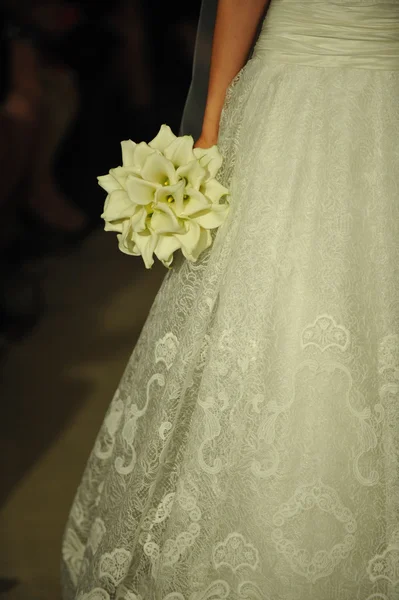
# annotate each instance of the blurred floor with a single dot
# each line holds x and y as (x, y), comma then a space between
(56, 386)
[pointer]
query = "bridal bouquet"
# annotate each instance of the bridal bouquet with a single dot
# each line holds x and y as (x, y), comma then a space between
(164, 197)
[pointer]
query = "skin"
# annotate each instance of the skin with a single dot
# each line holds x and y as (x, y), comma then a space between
(235, 29)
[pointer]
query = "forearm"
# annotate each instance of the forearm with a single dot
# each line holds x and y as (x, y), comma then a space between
(235, 29)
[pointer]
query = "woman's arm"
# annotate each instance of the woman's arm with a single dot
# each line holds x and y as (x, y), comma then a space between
(235, 28)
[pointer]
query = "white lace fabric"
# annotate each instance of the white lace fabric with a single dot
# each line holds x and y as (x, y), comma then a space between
(251, 450)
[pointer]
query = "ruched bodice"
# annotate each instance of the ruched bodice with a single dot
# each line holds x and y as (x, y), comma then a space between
(359, 34)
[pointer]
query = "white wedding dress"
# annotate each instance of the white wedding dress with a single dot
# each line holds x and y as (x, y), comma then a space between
(251, 451)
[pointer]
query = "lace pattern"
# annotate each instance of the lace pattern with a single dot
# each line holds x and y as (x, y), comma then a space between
(251, 449)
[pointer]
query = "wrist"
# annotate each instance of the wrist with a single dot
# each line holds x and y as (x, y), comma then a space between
(210, 134)
(210, 130)
(206, 140)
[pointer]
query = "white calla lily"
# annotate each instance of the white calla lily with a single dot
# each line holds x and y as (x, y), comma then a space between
(180, 151)
(214, 190)
(146, 242)
(195, 203)
(126, 244)
(209, 158)
(138, 219)
(116, 226)
(189, 239)
(212, 218)
(128, 153)
(117, 206)
(120, 174)
(140, 191)
(163, 139)
(108, 183)
(172, 194)
(193, 174)
(204, 241)
(166, 246)
(159, 169)
(141, 152)
(164, 220)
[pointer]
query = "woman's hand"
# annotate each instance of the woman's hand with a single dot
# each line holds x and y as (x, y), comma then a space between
(206, 141)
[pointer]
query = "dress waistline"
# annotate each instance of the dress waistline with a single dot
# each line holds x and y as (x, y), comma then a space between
(331, 35)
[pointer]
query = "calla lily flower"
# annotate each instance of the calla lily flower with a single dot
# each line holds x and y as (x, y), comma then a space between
(163, 139)
(126, 243)
(134, 155)
(138, 244)
(196, 202)
(138, 219)
(205, 240)
(189, 239)
(159, 169)
(140, 191)
(210, 158)
(212, 218)
(120, 174)
(180, 151)
(128, 152)
(146, 242)
(117, 206)
(164, 220)
(108, 183)
(171, 194)
(214, 190)
(166, 246)
(116, 226)
(193, 174)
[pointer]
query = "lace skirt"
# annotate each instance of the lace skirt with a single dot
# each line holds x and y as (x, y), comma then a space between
(251, 450)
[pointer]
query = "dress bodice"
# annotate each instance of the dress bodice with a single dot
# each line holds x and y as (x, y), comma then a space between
(357, 33)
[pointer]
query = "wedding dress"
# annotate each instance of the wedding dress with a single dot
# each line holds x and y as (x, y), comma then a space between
(251, 451)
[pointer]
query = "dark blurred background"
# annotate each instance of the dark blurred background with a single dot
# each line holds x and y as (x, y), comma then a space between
(76, 78)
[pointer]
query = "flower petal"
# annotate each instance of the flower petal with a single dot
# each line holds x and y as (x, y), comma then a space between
(164, 220)
(214, 190)
(128, 152)
(141, 153)
(196, 202)
(158, 169)
(108, 183)
(164, 193)
(164, 137)
(126, 244)
(205, 240)
(117, 206)
(189, 239)
(180, 151)
(138, 220)
(140, 191)
(212, 218)
(146, 242)
(114, 226)
(193, 173)
(166, 246)
(210, 158)
(120, 174)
